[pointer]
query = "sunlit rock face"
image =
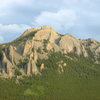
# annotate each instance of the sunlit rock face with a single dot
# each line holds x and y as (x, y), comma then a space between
(21, 56)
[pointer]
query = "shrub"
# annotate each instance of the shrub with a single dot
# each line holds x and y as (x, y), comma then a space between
(0, 54)
(22, 63)
(17, 72)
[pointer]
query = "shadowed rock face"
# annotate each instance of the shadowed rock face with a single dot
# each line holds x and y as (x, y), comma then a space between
(21, 55)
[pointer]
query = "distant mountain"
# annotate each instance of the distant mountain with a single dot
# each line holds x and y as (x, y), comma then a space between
(28, 54)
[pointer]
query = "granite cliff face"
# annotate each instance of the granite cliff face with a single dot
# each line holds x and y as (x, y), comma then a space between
(21, 55)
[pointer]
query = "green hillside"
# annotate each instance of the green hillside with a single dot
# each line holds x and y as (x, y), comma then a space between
(79, 81)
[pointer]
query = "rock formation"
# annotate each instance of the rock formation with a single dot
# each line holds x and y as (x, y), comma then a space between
(36, 43)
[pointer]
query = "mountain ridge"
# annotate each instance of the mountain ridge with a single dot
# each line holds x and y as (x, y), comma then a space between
(22, 54)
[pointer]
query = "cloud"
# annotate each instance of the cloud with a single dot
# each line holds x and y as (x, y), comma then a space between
(60, 20)
(6, 3)
(11, 32)
(79, 17)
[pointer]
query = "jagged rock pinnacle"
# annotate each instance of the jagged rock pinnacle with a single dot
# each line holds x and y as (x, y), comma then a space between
(37, 43)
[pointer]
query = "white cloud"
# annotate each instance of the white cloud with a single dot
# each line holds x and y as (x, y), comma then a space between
(83, 18)
(5, 3)
(13, 27)
(11, 32)
(61, 20)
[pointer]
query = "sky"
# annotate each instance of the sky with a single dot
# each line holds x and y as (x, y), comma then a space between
(81, 18)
